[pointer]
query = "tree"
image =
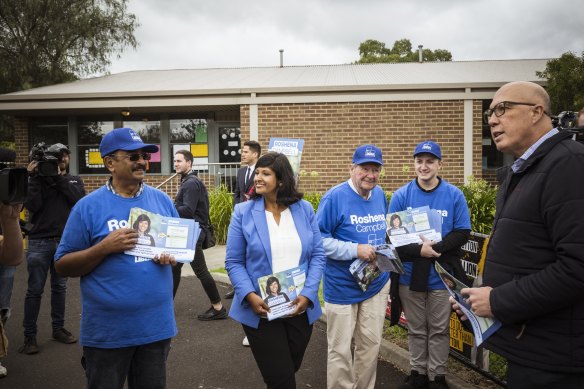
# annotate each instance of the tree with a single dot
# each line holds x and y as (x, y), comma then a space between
(373, 51)
(565, 77)
(44, 42)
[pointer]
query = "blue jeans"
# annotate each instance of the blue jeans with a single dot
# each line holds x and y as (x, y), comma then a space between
(39, 258)
(6, 283)
(144, 366)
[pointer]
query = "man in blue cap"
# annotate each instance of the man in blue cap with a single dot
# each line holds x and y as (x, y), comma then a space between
(419, 290)
(352, 222)
(128, 315)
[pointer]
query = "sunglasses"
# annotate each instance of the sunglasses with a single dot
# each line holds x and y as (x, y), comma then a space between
(134, 157)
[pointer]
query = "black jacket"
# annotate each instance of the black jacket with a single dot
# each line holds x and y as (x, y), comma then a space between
(49, 201)
(192, 201)
(535, 260)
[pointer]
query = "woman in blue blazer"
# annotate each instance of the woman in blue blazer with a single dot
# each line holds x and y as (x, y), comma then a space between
(275, 231)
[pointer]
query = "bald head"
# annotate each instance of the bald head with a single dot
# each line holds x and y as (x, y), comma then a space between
(527, 92)
(523, 119)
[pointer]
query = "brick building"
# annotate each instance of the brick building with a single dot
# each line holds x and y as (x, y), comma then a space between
(333, 108)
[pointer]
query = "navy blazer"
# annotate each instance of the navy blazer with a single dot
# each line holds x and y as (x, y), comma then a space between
(240, 188)
(249, 256)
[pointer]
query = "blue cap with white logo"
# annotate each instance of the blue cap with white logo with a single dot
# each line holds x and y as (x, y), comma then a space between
(367, 154)
(123, 139)
(430, 148)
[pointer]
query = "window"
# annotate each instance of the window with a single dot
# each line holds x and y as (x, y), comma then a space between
(149, 131)
(492, 158)
(191, 135)
(50, 131)
(90, 133)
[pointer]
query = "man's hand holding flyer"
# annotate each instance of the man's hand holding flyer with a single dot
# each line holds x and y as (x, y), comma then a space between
(159, 234)
(482, 327)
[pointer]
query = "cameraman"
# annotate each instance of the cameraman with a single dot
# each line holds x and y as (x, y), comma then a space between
(49, 202)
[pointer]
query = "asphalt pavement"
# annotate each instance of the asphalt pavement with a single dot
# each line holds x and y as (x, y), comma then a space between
(204, 355)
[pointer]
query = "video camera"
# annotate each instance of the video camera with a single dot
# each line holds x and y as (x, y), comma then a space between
(47, 157)
(567, 121)
(13, 181)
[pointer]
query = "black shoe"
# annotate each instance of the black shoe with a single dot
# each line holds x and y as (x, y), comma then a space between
(415, 381)
(64, 336)
(30, 346)
(230, 294)
(439, 383)
(213, 314)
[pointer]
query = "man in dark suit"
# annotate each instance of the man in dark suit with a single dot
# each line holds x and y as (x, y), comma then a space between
(250, 153)
(243, 185)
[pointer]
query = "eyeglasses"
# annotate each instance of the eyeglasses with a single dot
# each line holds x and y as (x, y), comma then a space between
(499, 109)
(134, 156)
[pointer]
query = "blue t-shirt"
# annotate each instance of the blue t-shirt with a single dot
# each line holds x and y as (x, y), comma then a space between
(127, 300)
(448, 201)
(344, 215)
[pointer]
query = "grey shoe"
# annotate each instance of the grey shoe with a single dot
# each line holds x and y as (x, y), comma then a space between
(64, 336)
(30, 346)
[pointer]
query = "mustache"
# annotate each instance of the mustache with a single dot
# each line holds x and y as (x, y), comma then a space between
(139, 166)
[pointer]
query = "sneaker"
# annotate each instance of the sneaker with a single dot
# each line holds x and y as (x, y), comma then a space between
(3, 371)
(245, 342)
(64, 336)
(213, 314)
(439, 383)
(30, 346)
(415, 381)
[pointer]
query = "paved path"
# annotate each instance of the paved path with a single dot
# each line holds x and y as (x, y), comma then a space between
(204, 354)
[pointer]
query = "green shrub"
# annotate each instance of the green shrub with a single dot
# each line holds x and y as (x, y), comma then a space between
(313, 198)
(220, 208)
(480, 197)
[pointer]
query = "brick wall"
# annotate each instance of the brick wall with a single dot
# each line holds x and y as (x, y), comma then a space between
(331, 132)
(21, 141)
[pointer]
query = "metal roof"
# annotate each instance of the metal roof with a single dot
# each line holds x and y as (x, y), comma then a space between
(167, 87)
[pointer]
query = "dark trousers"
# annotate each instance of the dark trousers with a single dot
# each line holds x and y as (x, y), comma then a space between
(39, 258)
(523, 377)
(278, 347)
(199, 266)
(144, 366)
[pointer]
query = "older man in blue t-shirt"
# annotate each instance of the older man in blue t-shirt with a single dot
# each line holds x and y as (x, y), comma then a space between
(128, 315)
(352, 221)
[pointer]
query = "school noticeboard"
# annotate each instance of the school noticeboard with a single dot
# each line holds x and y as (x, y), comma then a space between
(462, 340)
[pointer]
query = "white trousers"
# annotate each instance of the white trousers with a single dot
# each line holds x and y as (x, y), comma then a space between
(363, 322)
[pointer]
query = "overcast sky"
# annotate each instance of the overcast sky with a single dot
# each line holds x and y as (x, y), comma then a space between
(191, 34)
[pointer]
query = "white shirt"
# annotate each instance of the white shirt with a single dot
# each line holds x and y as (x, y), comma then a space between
(284, 241)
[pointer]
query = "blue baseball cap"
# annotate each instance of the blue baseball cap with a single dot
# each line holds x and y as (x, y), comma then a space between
(367, 154)
(123, 139)
(430, 148)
